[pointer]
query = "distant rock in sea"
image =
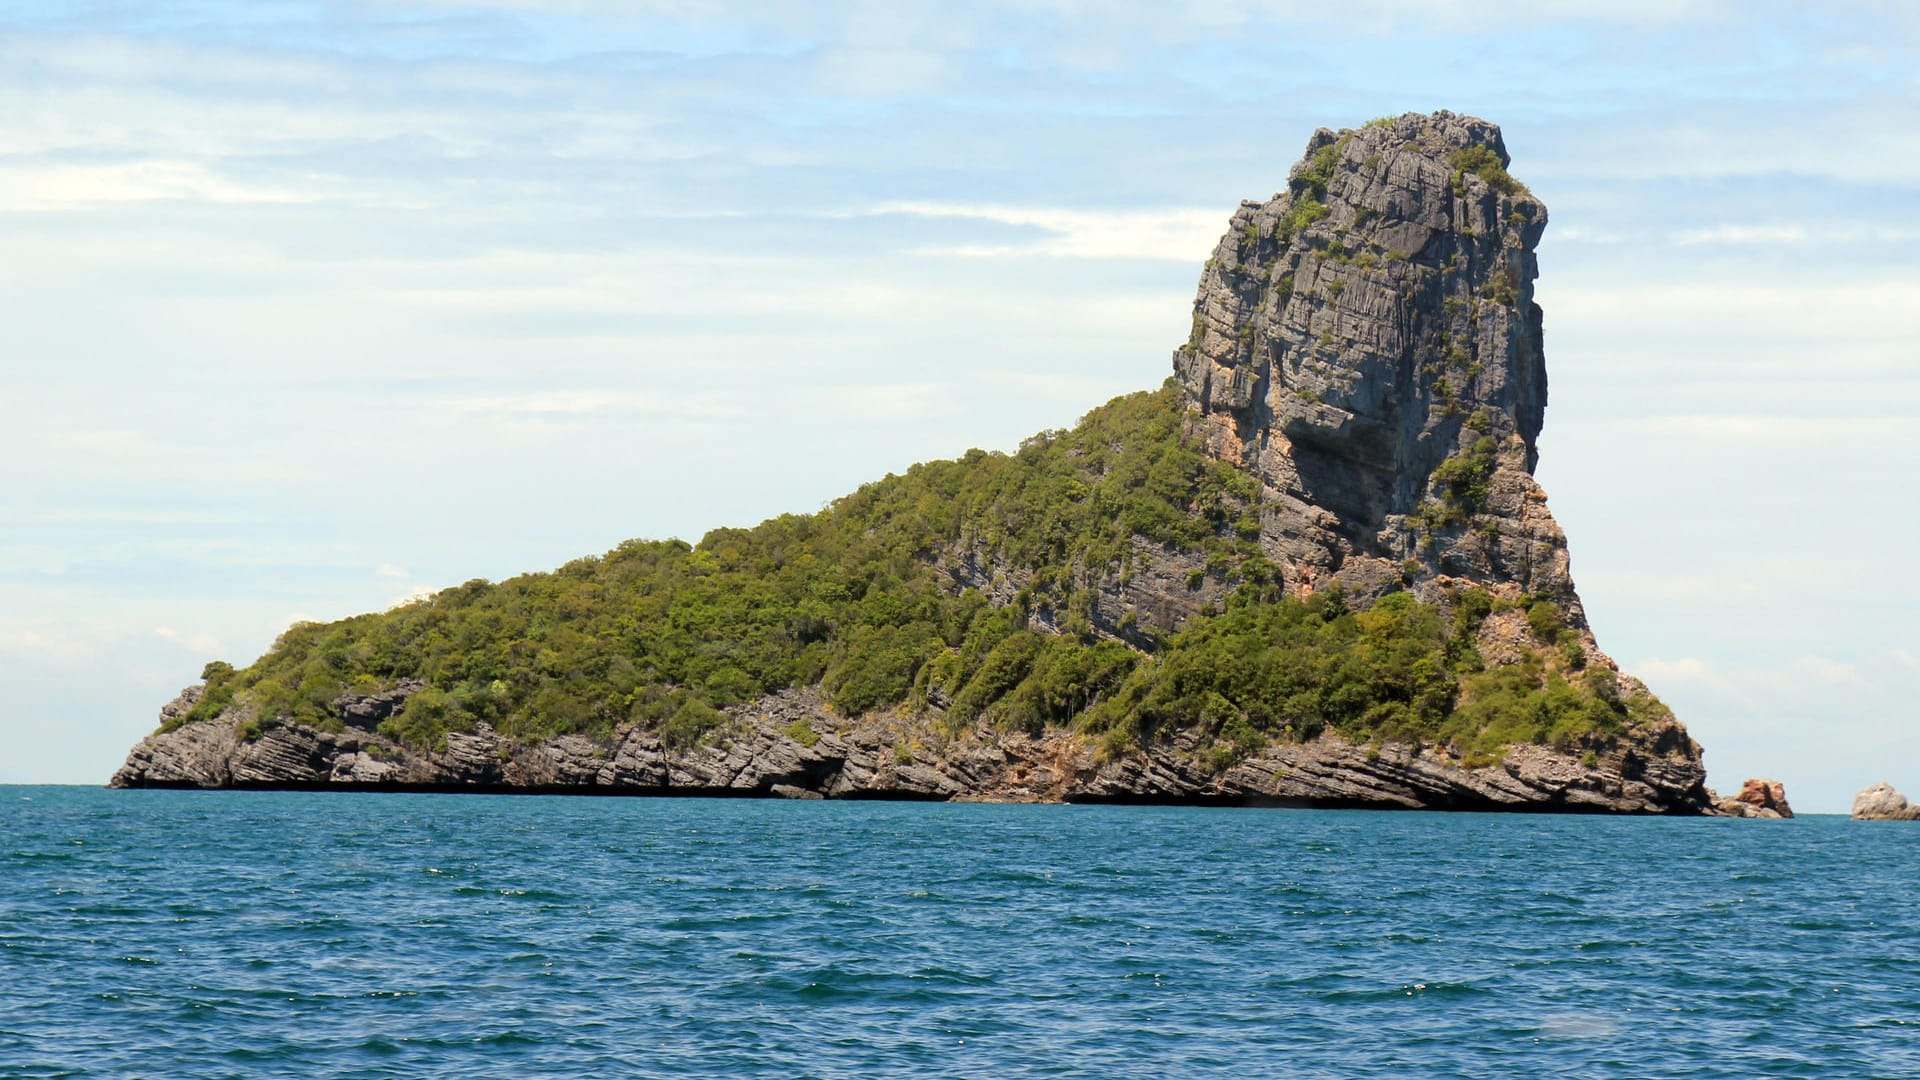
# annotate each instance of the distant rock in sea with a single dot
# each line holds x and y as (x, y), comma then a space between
(1757, 799)
(1882, 803)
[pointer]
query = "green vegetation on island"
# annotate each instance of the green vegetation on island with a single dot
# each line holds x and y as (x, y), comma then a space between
(852, 599)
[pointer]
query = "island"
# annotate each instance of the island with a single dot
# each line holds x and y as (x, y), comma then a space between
(1313, 568)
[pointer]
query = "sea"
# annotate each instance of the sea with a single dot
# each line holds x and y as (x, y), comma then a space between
(257, 934)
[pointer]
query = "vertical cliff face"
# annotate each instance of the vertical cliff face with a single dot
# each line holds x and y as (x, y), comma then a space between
(1367, 343)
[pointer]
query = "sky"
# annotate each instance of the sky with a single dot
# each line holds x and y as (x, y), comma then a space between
(312, 307)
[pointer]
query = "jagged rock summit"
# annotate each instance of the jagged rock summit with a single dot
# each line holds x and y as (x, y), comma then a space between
(1367, 343)
(1354, 415)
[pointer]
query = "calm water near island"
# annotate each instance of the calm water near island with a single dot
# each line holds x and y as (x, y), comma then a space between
(327, 935)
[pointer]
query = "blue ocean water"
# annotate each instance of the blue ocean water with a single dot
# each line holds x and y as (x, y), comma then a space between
(211, 934)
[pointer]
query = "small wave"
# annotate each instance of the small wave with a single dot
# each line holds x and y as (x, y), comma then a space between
(1604, 945)
(1575, 1025)
(379, 1046)
(509, 1038)
(1441, 991)
(41, 856)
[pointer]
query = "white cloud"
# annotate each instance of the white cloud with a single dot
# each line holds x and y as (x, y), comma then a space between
(1799, 682)
(1774, 430)
(576, 404)
(1722, 323)
(17, 636)
(1684, 669)
(1779, 235)
(883, 402)
(1076, 23)
(883, 72)
(1742, 234)
(1863, 140)
(46, 188)
(414, 594)
(1587, 234)
(1183, 235)
(552, 403)
(203, 644)
(114, 517)
(1659, 589)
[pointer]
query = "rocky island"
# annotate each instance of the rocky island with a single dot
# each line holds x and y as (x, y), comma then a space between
(1882, 803)
(1313, 568)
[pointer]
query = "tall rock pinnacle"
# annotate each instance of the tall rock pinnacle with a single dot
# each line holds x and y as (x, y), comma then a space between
(1367, 343)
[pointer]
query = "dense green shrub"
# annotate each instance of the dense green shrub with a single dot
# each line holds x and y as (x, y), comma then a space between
(1464, 480)
(1482, 162)
(663, 633)
(1544, 618)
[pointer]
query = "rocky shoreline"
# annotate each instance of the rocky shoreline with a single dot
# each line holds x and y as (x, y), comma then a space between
(791, 746)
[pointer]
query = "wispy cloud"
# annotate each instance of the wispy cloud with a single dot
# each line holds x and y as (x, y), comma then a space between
(561, 404)
(1790, 235)
(115, 517)
(1786, 428)
(553, 403)
(1182, 235)
(1662, 589)
(1801, 678)
(202, 644)
(1742, 234)
(46, 188)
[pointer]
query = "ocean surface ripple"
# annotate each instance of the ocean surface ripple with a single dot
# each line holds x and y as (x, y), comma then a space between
(233, 934)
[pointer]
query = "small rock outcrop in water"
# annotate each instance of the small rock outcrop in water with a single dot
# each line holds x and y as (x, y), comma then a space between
(1882, 803)
(1365, 368)
(1757, 799)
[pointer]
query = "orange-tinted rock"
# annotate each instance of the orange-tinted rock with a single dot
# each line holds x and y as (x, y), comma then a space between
(1758, 799)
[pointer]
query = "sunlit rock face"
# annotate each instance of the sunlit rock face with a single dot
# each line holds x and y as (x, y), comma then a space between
(1366, 341)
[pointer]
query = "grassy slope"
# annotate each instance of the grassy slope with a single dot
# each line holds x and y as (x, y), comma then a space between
(666, 634)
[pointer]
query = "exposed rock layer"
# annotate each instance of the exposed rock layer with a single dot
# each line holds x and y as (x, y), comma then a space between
(790, 745)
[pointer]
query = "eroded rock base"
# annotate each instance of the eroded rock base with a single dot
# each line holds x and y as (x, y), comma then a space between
(790, 746)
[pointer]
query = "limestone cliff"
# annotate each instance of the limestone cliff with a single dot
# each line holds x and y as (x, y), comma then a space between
(1366, 342)
(1366, 374)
